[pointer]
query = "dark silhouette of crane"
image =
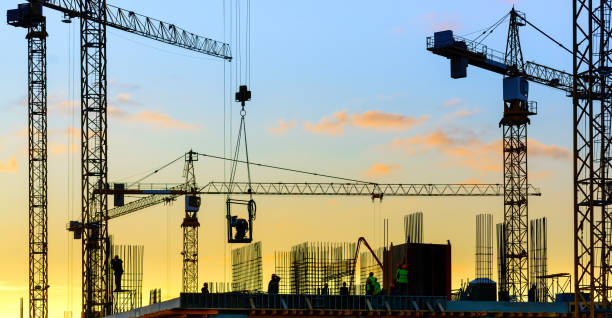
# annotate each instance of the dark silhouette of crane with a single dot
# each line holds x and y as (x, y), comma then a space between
(94, 17)
(517, 109)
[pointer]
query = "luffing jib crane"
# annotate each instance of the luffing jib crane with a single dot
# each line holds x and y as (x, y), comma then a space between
(94, 17)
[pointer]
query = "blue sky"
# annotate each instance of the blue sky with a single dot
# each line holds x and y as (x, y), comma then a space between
(310, 60)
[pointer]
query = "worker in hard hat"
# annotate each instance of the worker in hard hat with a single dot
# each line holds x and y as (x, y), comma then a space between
(117, 266)
(273, 285)
(531, 293)
(325, 289)
(376, 288)
(344, 291)
(369, 287)
(401, 278)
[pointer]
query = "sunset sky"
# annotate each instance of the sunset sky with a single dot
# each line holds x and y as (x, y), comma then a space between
(344, 88)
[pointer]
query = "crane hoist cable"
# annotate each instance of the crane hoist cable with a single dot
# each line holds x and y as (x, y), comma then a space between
(240, 230)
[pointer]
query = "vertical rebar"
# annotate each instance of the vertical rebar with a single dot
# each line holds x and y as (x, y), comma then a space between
(484, 246)
(413, 227)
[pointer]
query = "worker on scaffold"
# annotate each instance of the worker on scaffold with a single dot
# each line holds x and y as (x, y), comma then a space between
(117, 266)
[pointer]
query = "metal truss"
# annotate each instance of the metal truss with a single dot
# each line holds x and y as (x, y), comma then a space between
(592, 141)
(190, 227)
(37, 154)
(310, 189)
(94, 169)
(359, 189)
(515, 211)
(135, 23)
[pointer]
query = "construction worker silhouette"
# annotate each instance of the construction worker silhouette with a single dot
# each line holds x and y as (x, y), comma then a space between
(117, 266)
(325, 289)
(344, 291)
(401, 278)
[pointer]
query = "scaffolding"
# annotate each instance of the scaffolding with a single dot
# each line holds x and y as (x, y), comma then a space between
(556, 284)
(130, 295)
(501, 262)
(367, 265)
(538, 258)
(247, 269)
(311, 265)
(413, 227)
(484, 246)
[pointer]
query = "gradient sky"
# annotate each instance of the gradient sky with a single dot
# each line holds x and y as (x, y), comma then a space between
(339, 87)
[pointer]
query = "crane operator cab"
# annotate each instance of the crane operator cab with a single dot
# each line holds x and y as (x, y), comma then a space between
(240, 229)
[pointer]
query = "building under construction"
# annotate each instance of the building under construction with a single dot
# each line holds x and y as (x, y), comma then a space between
(413, 278)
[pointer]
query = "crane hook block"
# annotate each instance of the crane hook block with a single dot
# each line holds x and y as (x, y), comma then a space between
(243, 94)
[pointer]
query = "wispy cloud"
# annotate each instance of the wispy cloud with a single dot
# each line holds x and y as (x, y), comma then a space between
(462, 113)
(330, 125)
(538, 149)
(544, 174)
(9, 165)
(380, 169)
(471, 181)
(125, 98)
(60, 149)
(370, 119)
(467, 150)
(375, 119)
(158, 119)
(282, 127)
(434, 22)
(451, 102)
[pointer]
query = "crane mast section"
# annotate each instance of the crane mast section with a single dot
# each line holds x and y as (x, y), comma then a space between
(147, 27)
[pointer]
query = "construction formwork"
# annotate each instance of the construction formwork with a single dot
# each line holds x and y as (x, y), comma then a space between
(538, 258)
(484, 246)
(413, 227)
(130, 295)
(247, 269)
(311, 265)
(367, 265)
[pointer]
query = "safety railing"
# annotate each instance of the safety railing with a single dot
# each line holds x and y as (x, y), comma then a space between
(312, 302)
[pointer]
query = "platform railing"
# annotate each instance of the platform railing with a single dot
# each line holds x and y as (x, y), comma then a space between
(312, 302)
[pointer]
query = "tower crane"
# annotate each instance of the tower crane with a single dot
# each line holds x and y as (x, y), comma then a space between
(94, 17)
(517, 109)
(156, 193)
(592, 114)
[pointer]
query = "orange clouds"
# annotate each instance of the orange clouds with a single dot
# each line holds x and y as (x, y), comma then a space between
(536, 148)
(152, 118)
(331, 125)
(371, 119)
(9, 165)
(282, 127)
(381, 169)
(375, 119)
(159, 119)
(471, 151)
